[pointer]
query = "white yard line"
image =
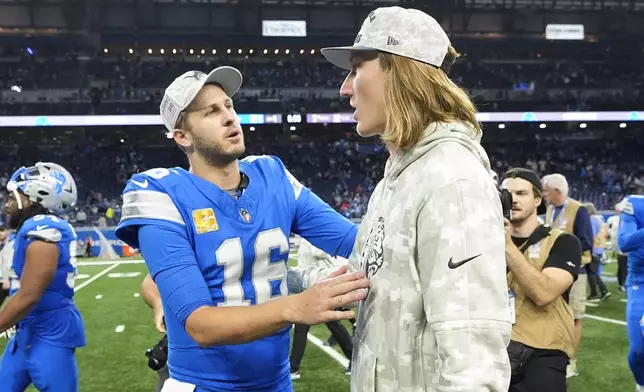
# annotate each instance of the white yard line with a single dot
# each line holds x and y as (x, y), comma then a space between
(93, 278)
(341, 359)
(604, 319)
(109, 262)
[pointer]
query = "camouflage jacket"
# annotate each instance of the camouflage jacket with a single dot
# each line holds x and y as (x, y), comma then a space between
(432, 243)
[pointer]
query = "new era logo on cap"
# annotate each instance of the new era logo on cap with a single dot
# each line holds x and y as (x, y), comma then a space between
(185, 88)
(424, 38)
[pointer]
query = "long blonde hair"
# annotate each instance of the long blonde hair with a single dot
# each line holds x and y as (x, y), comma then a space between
(418, 94)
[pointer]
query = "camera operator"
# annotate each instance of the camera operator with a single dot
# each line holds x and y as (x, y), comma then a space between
(543, 263)
(157, 356)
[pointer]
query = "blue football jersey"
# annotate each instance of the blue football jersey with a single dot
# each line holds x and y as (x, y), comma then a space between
(241, 247)
(54, 318)
(630, 236)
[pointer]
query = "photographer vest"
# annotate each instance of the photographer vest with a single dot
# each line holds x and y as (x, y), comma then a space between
(566, 221)
(548, 327)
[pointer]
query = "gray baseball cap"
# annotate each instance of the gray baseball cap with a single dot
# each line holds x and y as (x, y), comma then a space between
(404, 32)
(183, 90)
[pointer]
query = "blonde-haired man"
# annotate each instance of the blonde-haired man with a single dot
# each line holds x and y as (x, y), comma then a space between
(572, 217)
(432, 242)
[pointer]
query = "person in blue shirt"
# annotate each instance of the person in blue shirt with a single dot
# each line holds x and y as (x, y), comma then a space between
(598, 290)
(41, 306)
(630, 238)
(216, 242)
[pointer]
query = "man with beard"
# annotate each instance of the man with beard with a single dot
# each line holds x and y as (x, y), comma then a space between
(41, 305)
(216, 242)
(543, 262)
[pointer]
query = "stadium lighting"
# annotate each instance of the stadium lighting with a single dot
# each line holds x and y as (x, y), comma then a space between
(301, 51)
(174, 51)
(203, 51)
(265, 51)
(239, 51)
(622, 125)
(228, 51)
(250, 51)
(149, 51)
(214, 51)
(312, 51)
(501, 126)
(30, 51)
(287, 51)
(542, 126)
(582, 125)
(169, 135)
(277, 51)
(192, 51)
(122, 141)
(17, 89)
(162, 51)
(105, 50)
(292, 128)
(131, 51)
(252, 129)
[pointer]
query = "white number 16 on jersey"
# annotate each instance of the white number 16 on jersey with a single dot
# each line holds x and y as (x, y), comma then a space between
(230, 255)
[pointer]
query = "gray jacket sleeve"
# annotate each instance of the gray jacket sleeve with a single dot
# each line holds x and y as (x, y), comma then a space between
(462, 272)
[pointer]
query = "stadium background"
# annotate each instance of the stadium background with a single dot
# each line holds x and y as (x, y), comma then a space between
(558, 84)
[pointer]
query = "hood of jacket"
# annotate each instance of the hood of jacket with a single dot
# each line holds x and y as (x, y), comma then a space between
(436, 133)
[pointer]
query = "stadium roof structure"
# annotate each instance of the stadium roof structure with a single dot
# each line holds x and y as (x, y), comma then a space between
(322, 17)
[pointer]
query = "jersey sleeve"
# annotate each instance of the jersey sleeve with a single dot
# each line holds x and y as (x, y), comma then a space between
(628, 236)
(316, 221)
(146, 201)
(45, 228)
(173, 267)
(565, 254)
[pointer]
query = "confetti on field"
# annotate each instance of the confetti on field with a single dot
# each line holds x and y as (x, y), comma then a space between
(136, 294)
(99, 296)
(119, 328)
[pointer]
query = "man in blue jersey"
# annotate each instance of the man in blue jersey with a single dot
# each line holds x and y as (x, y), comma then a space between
(216, 242)
(630, 238)
(41, 306)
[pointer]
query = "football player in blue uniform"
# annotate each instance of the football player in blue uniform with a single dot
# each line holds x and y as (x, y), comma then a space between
(41, 306)
(630, 238)
(216, 242)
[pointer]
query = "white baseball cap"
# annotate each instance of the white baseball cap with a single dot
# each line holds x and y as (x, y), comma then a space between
(185, 88)
(404, 32)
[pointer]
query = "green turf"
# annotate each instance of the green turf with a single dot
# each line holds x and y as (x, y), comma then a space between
(116, 362)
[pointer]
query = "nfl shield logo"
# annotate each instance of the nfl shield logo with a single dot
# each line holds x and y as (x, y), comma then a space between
(245, 215)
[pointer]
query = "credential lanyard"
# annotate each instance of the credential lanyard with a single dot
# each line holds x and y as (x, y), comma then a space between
(561, 213)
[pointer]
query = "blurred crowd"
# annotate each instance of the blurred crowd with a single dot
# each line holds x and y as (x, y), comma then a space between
(601, 164)
(340, 167)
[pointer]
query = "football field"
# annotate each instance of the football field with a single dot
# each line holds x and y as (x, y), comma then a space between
(119, 330)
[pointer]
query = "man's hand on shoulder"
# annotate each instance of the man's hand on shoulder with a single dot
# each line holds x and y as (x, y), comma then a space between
(318, 303)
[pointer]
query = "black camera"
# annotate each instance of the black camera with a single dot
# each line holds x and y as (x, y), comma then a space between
(158, 355)
(506, 202)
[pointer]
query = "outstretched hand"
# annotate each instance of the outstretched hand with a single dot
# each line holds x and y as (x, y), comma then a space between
(318, 303)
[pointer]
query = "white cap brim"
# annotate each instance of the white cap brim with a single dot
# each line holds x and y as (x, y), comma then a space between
(229, 78)
(340, 56)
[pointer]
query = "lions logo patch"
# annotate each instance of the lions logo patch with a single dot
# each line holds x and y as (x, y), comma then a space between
(372, 255)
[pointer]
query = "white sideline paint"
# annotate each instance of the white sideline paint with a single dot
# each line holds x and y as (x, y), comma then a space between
(330, 351)
(123, 274)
